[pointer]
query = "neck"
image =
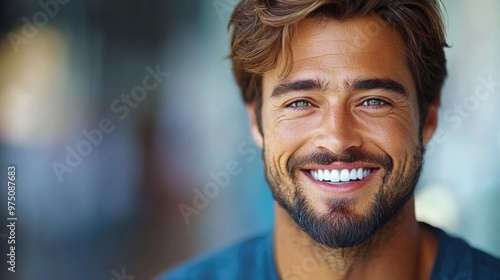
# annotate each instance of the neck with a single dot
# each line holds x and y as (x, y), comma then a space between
(402, 249)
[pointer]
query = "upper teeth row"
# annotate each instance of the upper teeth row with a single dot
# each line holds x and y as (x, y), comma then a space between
(343, 175)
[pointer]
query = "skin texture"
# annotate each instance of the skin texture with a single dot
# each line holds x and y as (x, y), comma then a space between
(335, 118)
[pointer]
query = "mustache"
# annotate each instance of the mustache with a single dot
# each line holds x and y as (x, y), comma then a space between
(350, 155)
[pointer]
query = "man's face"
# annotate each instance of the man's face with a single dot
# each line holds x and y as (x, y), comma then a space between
(341, 141)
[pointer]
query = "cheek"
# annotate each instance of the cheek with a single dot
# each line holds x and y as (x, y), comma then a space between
(280, 144)
(397, 137)
(393, 132)
(283, 138)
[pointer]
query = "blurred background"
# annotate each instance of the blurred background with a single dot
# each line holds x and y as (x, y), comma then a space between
(119, 114)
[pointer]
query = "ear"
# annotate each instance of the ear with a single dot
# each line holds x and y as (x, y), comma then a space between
(254, 126)
(430, 122)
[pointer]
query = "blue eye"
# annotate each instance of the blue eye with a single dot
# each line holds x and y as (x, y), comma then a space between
(374, 102)
(300, 104)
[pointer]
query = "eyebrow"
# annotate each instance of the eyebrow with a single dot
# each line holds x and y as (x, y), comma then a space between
(301, 85)
(386, 84)
(320, 85)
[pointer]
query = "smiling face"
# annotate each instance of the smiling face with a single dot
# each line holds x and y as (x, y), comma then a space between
(341, 135)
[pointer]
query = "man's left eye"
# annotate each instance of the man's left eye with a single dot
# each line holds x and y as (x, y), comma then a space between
(374, 102)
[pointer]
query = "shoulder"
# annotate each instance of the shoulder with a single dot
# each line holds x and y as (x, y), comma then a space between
(239, 261)
(485, 266)
(457, 259)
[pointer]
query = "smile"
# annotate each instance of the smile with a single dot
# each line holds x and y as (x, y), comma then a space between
(340, 175)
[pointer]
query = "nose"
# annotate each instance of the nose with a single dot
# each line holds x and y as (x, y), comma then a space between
(338, 131)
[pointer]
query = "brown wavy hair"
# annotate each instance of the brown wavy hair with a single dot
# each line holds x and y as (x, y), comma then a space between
(262, 31)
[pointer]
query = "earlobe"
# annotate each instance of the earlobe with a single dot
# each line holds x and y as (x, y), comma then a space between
(254, 126)
(430, 122)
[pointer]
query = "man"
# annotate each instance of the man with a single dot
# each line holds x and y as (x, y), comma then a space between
(343, 98)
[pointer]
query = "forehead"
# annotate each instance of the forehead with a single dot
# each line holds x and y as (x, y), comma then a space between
(343, 50)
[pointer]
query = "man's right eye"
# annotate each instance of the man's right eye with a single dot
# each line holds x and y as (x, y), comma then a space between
(300, 104)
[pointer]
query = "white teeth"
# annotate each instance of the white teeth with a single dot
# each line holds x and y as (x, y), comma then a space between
(353, 175)
(326, 175)
(343, 175)
(320, 175)
(368, 172)
(360, 173)
(314, 174)
(335, 176)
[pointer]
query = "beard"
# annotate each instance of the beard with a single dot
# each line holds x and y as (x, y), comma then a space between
(340, 227)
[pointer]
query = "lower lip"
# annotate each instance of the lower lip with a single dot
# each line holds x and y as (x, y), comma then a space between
(341, 187)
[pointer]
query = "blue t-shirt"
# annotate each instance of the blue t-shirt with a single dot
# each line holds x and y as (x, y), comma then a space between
(253, 259)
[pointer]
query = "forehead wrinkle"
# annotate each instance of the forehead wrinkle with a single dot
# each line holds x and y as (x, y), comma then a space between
(306, 59)
(333, 48)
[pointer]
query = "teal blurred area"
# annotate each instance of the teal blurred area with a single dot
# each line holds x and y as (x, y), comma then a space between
(132, 148)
